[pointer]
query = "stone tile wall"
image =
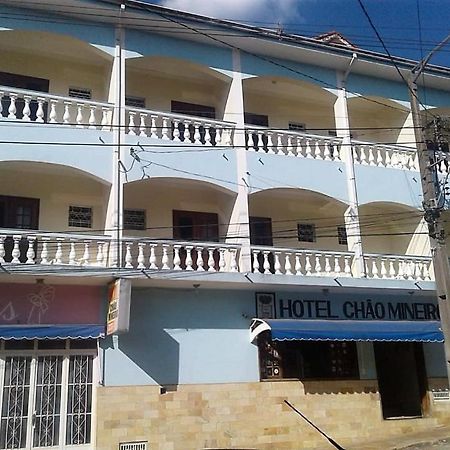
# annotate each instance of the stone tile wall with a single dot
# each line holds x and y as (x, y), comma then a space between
(251, 415)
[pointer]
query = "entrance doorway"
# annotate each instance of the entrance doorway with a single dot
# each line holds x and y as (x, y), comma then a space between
(401, 378)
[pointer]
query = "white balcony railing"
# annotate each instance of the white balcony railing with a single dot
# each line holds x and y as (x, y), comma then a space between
(290, 261)
(391, 156)
(292, 143)
(39, 107)
(178, 127)
(407, 267)
(34, 247)
(142, 253)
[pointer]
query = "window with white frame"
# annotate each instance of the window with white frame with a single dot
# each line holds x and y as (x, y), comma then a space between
(46, 390)
(80, 216)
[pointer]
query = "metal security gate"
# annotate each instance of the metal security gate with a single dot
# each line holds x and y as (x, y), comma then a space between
(46, 400)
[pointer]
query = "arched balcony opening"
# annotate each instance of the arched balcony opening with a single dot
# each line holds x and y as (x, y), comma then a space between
(54, 78)
(51, 214)
(298, 231)
(177, 224)
(381, 121)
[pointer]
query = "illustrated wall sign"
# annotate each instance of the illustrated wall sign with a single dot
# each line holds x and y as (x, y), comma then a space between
(269, 305)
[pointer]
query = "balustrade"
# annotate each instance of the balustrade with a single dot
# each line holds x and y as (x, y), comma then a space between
(178, 128)
(418, 268)
(40, 107)
(394, 157)
(292, 143)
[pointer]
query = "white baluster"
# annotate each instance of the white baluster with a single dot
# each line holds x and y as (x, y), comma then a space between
(52, 115)
(131, 124)
(374, 268)
(308, 149)
(387, 158)
(260, 141)
(419, 271)
(362, 155)
(105, 119)
(290, 146)
(40, 110)
(79, 118)
(207, 134)
(92, 120)
(336, 151)
(86, 256)
(287, 264)
(272, 143)
(44, 251)
(141, 256)
(308, 266)
(299, 150)
(380, 162)
(200, 262)
(371, 157)
(347, 266)
(211, 262)
(392, 272)
(2, 245)
(153, 128)
(298, 264)
(222, 263)
(266, 263)
(317, 150)
(318, 265)
(426, 271)
(277, 265)
(410, 269)
(176, 257)
(327, 265)
(255, 261)
(128, 257)
(337, 265)
(326, 152)
(186, 132)
(16, 250)
(142, 124)
(176, 130)
(58, 253)
(30, 251)
(72, 254)
(383, 271)
(152, 259)
(401, 273)
(26, 109)
(218, 138)
(165, 257)
(66, 115)
(279, 144)
(12, 110)
(197, 135)
(233, 260)
(166, 129)
(189, 261)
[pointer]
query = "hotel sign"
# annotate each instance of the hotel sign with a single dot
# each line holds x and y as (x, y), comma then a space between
(119, 297)
(269, 306)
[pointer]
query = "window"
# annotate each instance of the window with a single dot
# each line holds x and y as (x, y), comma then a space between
(260, 120)
(342, 235)
(307, 360)
(19, 212)
(293, 126)
(78, 92)
(46, 396)
(193, 109)
(306, 232)
(195, 226)
(80, 216)
(134, 219)
(135, 102)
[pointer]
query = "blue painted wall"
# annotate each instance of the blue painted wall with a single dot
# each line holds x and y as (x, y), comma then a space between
(183, 337)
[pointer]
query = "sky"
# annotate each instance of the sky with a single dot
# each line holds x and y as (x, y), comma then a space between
(409, 28)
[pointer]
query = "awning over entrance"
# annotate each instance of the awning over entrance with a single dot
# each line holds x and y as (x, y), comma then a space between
(348, 330)
(51, 331)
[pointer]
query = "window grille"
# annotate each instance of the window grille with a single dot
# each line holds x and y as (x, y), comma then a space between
(293, 126)
(77, 92)
(134, 219)
(441, 395)
(133, 445)
(80, 216)
(135, 102)
(306, 232)
(342, 235)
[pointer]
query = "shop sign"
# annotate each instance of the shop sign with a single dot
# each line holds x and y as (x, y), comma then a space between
(118, 318)
(269, 306)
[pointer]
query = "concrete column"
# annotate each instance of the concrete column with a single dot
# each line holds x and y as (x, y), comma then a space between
(116, 95)
(351, 215)
(239, 228)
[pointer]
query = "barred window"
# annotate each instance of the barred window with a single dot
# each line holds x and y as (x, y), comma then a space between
(342, 235)
(79, 92)
(134, 219)
(80, 216)
(306, 232)
(135, 102)
(294, 126)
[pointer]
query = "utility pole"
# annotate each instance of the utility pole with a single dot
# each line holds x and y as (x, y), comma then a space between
(432, 210)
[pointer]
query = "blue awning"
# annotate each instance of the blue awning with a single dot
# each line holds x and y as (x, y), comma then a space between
(51, 331)
(348, 330)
